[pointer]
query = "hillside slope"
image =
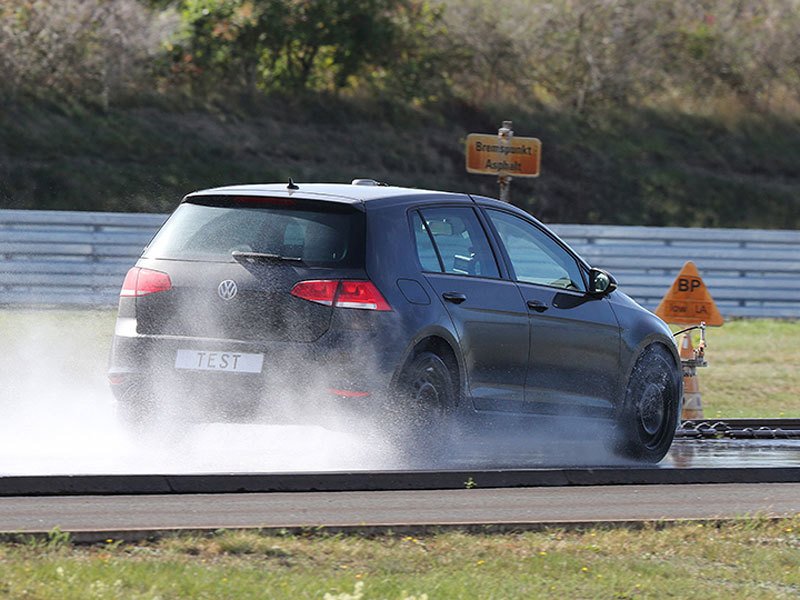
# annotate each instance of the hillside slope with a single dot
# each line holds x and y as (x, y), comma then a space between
(631, 167)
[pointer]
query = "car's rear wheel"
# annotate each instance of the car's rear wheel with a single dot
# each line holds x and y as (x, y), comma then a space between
(649, 415)
(424, 402)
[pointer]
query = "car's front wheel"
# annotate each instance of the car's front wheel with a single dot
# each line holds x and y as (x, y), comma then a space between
(649, 415)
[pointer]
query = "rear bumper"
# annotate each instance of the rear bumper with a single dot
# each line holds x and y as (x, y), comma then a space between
(343, 368)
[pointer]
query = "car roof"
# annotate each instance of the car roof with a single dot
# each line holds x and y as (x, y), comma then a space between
(336, 192)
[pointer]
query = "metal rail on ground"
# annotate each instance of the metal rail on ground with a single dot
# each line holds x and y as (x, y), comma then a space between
(740, 428)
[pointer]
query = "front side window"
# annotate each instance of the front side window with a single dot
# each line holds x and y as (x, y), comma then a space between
(535, 256)
(461, 241)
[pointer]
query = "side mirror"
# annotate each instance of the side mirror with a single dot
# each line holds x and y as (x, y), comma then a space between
(601, 283)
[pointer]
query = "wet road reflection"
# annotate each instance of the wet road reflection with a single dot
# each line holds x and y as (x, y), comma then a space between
(236, 448)
(722, 453)
(684, 454)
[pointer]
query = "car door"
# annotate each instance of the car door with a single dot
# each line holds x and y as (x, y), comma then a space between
(488, 313)
(573, 365)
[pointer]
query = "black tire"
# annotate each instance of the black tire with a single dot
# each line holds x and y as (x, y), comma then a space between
(423, 405)
(649, 415)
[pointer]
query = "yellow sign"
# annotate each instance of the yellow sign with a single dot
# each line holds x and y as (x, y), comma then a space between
(688, 302)
(492, 155)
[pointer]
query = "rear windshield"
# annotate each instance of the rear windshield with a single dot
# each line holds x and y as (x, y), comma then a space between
(211, 228)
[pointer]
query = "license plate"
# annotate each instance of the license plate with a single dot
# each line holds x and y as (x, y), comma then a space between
(233, 362)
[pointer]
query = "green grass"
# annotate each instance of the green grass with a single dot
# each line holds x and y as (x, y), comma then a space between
(753, 558)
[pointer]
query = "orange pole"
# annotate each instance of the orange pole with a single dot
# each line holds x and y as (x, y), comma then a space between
(692, 399)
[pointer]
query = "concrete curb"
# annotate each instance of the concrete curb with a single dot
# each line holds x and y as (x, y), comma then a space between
(85, 485)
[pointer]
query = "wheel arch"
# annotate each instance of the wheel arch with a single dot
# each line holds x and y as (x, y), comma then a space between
(439, 342)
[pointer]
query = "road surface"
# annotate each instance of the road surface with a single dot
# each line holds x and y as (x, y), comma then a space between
(522, 506)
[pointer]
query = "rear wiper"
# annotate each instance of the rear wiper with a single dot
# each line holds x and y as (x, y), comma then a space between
(252, 257)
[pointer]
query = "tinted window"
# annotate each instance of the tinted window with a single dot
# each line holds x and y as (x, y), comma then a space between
(535, 256)
(461, 241)
(319, 235)
(425, 250)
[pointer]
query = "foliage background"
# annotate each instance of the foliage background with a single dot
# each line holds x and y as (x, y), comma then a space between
(660, 113)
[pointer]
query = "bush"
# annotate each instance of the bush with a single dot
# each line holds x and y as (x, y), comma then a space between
(92, 50)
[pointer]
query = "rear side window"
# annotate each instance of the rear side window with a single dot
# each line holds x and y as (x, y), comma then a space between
(425, 250)
(461, 242)
(320, 234)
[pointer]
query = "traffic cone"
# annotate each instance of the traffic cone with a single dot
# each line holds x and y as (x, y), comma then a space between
(692, 399)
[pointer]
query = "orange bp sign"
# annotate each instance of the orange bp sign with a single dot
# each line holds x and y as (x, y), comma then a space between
(688, 302)
(491, 155)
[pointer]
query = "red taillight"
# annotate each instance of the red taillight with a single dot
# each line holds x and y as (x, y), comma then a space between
(342, 294)
(360, 294)
(321, 291)
(348, 393)
(140, 282)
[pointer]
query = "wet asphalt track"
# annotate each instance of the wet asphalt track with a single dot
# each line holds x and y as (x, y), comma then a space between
(684, 454)
(273, 449)
(68, 447)
(71, 429)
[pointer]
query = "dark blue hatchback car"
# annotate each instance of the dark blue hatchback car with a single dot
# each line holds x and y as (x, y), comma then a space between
(419, 306)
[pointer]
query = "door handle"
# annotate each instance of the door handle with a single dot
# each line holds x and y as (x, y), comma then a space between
(454, 297)
(537, 305)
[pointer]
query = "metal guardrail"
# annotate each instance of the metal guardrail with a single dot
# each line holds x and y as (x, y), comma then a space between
(80, 258)
(749, 272)
(69, 258)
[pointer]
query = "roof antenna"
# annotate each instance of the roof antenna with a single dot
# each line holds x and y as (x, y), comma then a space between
(292, 185)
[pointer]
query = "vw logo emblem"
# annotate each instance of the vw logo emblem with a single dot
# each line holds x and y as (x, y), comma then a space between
(227, 289)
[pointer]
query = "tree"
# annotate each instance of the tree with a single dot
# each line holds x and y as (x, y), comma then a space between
(287, 44)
